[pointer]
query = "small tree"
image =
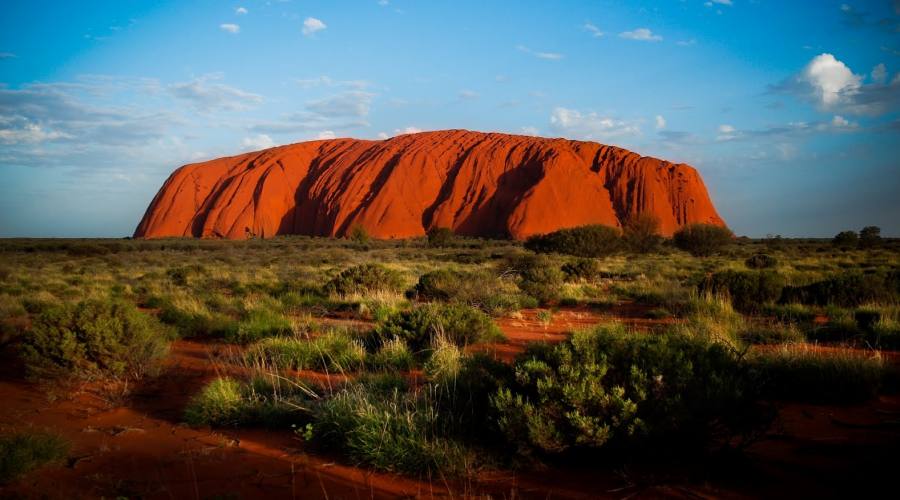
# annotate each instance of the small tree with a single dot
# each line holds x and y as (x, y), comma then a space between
(441, 237)
(870, 236)
(702, 240)
(584, 241)
(846, 239)
(641, 233)
(359, 235)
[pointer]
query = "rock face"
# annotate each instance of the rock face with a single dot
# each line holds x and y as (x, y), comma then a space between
(479, 184)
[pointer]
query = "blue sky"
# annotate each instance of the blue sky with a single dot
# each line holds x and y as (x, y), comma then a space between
(790, 110)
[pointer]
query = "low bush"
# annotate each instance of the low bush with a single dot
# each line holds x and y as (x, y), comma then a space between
(538, 276)
(847, 290)
(584, 241)
(365, 278)
(22, 452)
(94, 339)
(702, 240)
(227, 402)
(610, 386)
(641, 233)
(482, 289)
(457, 323)
(393, 354)
(441, 237)
(258, 324)
(761, 261)
(798, 373)
(846, 239)
(749, 291)
(582, 270)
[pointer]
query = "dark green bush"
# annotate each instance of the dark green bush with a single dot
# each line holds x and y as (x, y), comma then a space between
(749, 290)
(870, 237)
(481, 289)
(458, 323)
(798, 374)
(582, 269)
(584, 241)
(226, 402)
(607, 386)
(25, 451)
(702, 240)
(365, 278)
(761, 261)
(641, 233)
(538, 276)
(94, 339)
(846, 239)
(441, 237)
(846, 290)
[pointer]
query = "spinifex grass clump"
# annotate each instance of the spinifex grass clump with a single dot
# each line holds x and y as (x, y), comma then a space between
(94, 339)
(610, 386)
(457, 323)
(22, 452)
(803, 373)
(266, 400)
(334, 351)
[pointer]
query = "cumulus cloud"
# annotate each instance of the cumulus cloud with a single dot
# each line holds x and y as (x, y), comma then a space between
(532, 131)
(326, 134)
(407, 130)
(240, 11)
(311, 26)
(257, 142)
(230, 28)
(726, 133)
(832, 86)
(660, 122)
(590, 125)
(551, 56)
(205, 95)
(593, 30)
(641, 34)
(27, 132)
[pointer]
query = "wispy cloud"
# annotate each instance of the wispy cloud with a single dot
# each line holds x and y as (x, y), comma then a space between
(468, 95)
(240, 11)
(205, 94)
(591, 125)
(593, 30)
(641, 34)
(7, 55)
(230, 28)
(257, 142)
(551, 56)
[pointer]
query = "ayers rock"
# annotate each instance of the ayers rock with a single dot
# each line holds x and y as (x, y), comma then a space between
(479, 184)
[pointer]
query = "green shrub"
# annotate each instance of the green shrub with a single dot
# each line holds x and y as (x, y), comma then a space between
(22, 452)
(395, 432)
(365, 278)
(761, 261)
(481, 289)
(457, 323)
(94, 339)
(393, 355)
(192, 323)
(870, 237)
(538, 276)
(441, 237)
(774, 334)
(584, 241)
(333, 351)
(702, 240)
(846, 290)
(807, 375)
(749, 291)
(610, 386)
(846, 239)
(581, 269)
(641, 233)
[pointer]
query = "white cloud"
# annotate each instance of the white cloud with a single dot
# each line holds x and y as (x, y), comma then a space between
(660, 122)
(593, 30)
(727, 133)
(230, 28)
(590, 125)
(29, 133)
(407, 130)
(840, 122)
(468, 95)
(206, 96)
(312, 25)
(551, 56)
(383, 135)
(686, 43)
(831, 79)
(383, 3)
(347, 103)
(641, 34)
(326, 81)
(532, 131)
(240, 11)
(326, 134)
(879, 74)
(257, 142)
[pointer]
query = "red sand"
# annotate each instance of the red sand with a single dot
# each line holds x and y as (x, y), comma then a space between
(479, 184)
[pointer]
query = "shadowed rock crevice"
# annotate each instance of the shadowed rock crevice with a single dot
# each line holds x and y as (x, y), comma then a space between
(479, 184)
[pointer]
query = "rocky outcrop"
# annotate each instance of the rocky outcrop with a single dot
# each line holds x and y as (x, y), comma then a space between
(479, 184)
